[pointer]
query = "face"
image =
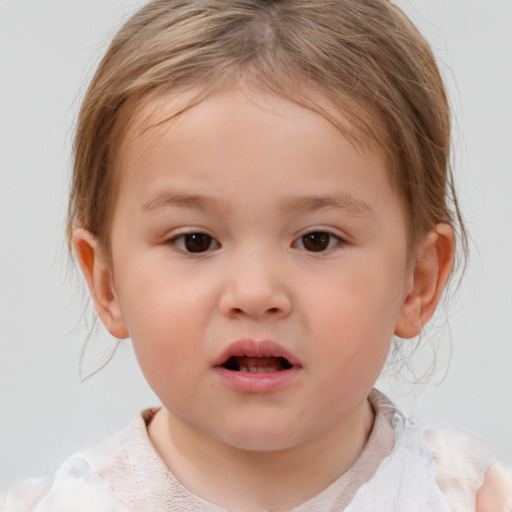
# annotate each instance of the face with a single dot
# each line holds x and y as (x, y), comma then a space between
(259, 265)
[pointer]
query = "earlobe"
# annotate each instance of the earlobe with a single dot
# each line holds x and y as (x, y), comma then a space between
(97, 272)
(432, 267)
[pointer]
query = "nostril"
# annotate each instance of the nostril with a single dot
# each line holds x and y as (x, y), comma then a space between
(241, 302)
(272, 311)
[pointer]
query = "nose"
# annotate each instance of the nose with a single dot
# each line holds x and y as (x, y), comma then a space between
(255, 289)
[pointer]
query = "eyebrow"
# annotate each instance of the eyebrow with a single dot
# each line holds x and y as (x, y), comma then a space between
(341, 201)
(173, 199)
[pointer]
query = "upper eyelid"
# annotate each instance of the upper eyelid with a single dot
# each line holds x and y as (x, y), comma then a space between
(176, 233)
(323, 229)
(172, 241)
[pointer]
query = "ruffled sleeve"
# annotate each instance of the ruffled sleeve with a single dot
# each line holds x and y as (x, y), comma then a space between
(73, 488)
(462, 462)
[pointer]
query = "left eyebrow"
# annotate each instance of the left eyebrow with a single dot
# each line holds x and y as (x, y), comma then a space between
(342, 201)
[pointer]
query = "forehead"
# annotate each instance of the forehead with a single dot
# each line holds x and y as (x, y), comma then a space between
(183, 117)
(143, 120)
(240, 137)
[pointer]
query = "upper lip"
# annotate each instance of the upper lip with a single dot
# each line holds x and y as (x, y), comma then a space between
(252, 348)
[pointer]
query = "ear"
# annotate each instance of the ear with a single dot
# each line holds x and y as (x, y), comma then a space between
(97, 272)
(431, 268)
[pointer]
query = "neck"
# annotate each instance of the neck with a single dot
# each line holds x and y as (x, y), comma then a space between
(250, 481)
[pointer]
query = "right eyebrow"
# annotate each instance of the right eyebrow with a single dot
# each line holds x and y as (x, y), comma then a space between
(173, 199)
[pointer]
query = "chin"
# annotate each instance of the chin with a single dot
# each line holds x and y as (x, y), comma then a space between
(260, 438)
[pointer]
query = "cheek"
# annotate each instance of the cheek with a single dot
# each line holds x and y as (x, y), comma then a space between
(157, 296)
(358, 306)
(165, 318)
(167, 349)
(354, 320)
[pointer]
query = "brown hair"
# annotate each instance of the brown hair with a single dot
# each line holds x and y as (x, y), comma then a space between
(363, 56)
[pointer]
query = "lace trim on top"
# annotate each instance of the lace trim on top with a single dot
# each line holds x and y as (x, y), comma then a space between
(141, 479)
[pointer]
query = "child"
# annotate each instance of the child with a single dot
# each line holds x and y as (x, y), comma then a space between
(261, 200)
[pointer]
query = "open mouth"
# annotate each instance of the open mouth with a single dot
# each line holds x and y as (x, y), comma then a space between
(256, 364)
(257, 367)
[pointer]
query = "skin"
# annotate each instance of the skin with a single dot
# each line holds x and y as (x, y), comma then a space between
(495, 494)
(257, 173)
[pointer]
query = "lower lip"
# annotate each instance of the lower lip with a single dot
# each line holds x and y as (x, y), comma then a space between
(257, 382)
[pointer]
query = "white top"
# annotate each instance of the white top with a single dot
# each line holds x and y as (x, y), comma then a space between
(401, 468)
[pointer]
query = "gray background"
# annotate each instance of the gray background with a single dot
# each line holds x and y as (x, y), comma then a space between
(47, 51)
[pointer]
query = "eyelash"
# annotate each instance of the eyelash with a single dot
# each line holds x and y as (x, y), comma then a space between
(326, 240)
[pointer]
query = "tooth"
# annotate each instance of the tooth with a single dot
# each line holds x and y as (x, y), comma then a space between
(253, 370)
(243, 368)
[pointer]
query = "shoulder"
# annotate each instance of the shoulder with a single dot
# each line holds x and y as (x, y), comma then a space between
(459, 468)
(75, 487)
(458, 454)
(466, 471)
(495, 494)
(83, 482)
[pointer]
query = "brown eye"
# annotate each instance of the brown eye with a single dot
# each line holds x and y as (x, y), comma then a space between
(318, 241)
(195, 242)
